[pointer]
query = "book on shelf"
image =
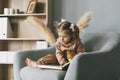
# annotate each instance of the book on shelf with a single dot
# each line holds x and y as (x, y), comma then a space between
(6, 30)
(54, 67)
(7, 57)
(41, 44)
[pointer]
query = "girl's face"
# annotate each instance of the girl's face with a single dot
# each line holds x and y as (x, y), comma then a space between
(65, 37)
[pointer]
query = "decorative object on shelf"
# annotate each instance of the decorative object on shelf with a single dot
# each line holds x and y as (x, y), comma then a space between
(44, 30)
(16, 11)
(10, 11)
(6, 11)
(6, 30)
(41, 44)
(7, 56)
(31, 6)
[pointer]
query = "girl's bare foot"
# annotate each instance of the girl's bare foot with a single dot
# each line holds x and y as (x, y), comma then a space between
(31, 63)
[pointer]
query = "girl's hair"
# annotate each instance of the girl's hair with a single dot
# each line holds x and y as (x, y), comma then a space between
(69, 28)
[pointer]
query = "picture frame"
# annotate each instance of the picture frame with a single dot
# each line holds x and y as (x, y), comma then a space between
(31, 6)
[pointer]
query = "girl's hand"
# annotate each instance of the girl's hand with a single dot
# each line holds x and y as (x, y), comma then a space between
(70, 55)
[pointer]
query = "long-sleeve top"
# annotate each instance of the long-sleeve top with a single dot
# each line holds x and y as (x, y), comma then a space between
(62, 47)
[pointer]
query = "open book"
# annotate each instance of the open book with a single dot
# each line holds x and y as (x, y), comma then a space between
(54, 67)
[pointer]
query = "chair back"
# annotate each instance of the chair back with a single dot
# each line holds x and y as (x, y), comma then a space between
(99, 41)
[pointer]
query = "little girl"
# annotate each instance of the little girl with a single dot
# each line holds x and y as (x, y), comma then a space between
(67, 45)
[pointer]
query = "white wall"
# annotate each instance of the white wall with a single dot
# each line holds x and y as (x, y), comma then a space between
(106, 13)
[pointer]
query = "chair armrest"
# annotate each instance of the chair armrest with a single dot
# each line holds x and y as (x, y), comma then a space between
(19, 59)
(93, 66)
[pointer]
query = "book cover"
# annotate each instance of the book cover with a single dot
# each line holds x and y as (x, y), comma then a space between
(54, 67)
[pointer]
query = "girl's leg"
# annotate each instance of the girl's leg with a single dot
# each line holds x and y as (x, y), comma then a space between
(48, 59)
(31, 63)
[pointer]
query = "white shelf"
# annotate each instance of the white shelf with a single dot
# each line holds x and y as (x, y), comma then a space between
(10, 15)
(36, 39)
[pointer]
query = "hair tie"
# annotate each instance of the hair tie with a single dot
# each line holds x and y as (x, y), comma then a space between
(62, 20)
(72, 27)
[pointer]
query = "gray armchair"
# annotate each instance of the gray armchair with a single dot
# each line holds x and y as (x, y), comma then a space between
(101, 61)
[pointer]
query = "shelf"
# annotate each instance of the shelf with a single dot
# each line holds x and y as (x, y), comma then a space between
(27, 33)
(19, 15)
(19, 39)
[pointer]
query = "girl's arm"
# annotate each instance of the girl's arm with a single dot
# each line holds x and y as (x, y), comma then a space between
(80, 48)
(60, 55)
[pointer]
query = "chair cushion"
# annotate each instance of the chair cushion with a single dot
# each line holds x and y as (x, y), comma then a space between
(28, 73)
